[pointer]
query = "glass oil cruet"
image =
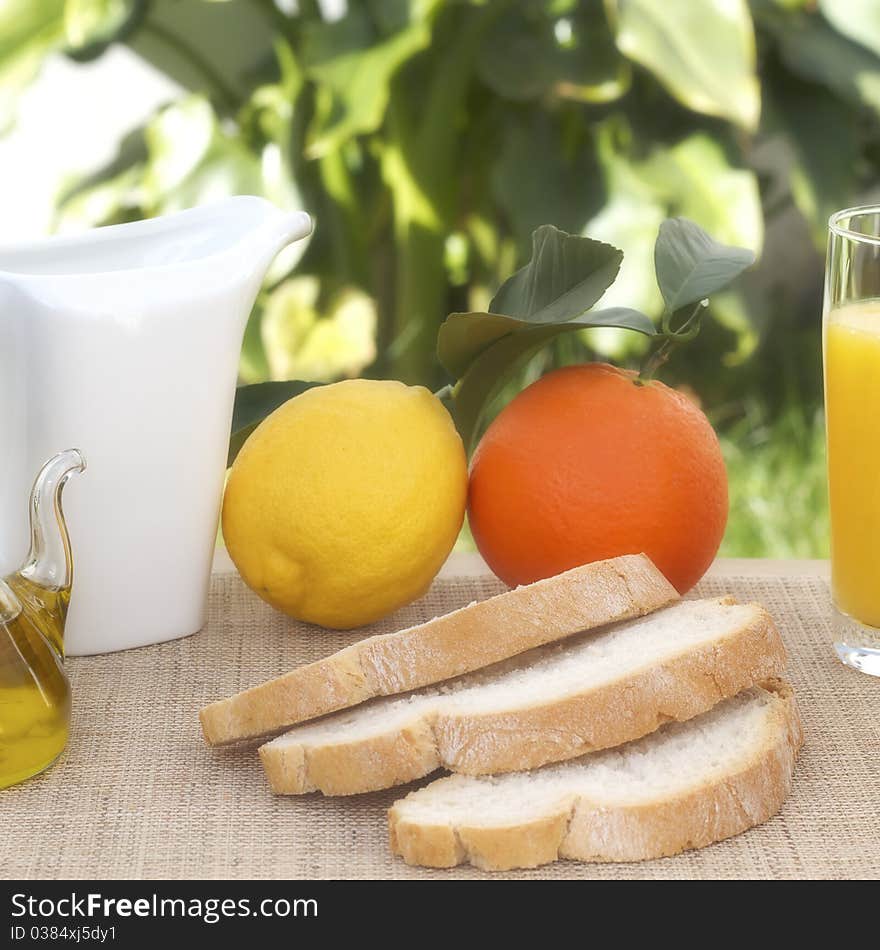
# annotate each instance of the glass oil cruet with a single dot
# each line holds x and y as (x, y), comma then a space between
(34, 689)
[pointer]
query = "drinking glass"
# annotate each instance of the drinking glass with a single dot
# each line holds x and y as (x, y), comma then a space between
(851, 349)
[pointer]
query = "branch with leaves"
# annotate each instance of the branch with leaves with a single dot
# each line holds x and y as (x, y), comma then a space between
(553, 294)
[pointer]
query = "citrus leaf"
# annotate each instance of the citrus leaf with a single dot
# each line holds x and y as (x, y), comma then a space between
(552, 294)
(692, 178)
(690, 265)
(629, 219)
(703, 53)
(565, 277)
(465, 336)
(697, 181)
(252, 405)
(488, 371)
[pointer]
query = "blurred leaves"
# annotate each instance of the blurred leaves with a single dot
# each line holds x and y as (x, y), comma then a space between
(93, 22)
(353, 67)
(32, 29)
(303, 342)
(825, 147)
(557, 194)
(692, 178)
(518, 60)
(703, 53)
(695, 178)
(178, 141)
(189, 158)
(629, 219)
(857, 19)
(812, 49)
(769, 459)
(535, 49)
(29, 29)
(430, 138)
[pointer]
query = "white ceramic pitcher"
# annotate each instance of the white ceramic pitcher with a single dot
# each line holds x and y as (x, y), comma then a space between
(125, 342)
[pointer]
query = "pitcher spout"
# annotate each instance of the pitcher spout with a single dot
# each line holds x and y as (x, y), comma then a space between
(287, 227)
(277, 230)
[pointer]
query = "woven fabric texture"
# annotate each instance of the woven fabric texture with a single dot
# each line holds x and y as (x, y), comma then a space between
(138, 794)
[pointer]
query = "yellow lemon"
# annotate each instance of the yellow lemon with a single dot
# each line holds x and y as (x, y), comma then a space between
(344, 503)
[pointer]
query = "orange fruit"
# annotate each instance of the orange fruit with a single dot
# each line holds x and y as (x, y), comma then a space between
(585, 464)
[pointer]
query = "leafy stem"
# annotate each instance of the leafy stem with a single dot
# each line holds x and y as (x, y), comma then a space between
(670, 339)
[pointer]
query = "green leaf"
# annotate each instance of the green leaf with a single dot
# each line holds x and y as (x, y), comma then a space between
(558, 193)
(552, 294)
(696, 180)
(519, 57)
(178, 140)
(94, 23)
(690, 265)
(629, 219)
(811, 49)
(731, 310)
(110, 199)
(252, 405)
(566, 275)
(32, 29)
(826, 151)
(536, 49)
(300, 343)
(464, 337)
(193, 158)
(592, 70)
(29, 30)
(857, 19)
(486, 374)
(353, 69)
(703, 53)
(693, 179)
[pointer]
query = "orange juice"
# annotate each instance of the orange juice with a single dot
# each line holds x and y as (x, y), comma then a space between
(852, 403)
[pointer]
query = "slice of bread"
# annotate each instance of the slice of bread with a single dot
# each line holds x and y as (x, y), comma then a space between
(467, 639)
(595, 690)
(686, 786)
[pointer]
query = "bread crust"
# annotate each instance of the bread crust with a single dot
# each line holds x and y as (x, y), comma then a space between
(579, 829)
(533, 735)
(465, 640)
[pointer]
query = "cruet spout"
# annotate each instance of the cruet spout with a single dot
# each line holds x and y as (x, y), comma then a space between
(44, 581)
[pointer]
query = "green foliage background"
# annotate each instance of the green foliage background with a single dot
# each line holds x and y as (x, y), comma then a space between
(430, 137)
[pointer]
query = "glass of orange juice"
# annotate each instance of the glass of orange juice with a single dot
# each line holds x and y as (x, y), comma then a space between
(851, 341)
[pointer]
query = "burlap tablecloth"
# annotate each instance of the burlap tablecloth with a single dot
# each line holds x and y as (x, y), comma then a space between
(138, 795)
